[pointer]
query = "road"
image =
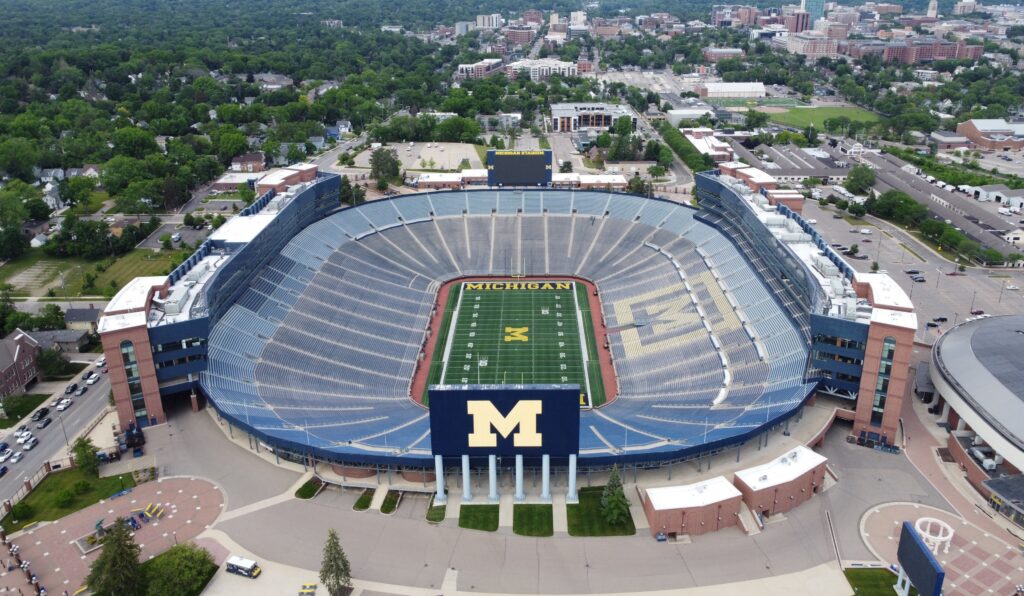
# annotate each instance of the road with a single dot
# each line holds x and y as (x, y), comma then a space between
(329, 159)
(52, 443)
(941, 295)
(34, 305)
(961, 210)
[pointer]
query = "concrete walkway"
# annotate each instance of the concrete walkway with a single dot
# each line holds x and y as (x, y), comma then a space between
(559, 516)
(506, 510)
(378, 499)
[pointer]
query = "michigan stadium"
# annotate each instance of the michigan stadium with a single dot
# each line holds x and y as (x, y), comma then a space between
(321, 330)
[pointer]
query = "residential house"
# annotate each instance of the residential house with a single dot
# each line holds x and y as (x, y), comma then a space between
(64, 340)
(33, 227)
(249, 162)
(269, 81)
(82, 319)
(18, 363)
(51, 175)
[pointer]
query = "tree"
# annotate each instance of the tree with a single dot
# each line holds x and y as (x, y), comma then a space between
(116, 571)
(565, 167)
(77, 190)
(384, 164)
(246, 193)
(623, 126)
(860, 179)
(638, 186)
(18, 156)
(614, 504)
(134, 142)
(217, 221)
(335, 571)
(874, 266)
(854, 249)
(345, 190)
(295, 153)
(189, 220)
(85, 456)
(182, 569)
(755, 119)
(604, 140)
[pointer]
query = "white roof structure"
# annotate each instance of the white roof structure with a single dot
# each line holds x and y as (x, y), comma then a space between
(700, 494)
(999, 126)
(238, 177)
(744, 89)
(441, 177)
(134, 294)
(242, 229)
(122, 321)
(783, 469)
(885, 291)
(601, 179)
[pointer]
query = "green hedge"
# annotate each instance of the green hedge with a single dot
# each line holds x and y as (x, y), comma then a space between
(684, 149)
(364, 500)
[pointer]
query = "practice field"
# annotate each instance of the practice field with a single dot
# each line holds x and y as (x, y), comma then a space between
(802, 117)
(519, 331)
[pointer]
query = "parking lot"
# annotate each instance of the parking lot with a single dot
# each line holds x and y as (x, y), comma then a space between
(428, 156)
(940, 294)
(660, 81)
(1014, 164)
(193, 237)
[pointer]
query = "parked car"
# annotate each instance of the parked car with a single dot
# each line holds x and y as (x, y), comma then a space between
(64, 404)
(24, 438)
(40, 414)
(4, 445)
(977, 312)
(931, 324)
(70, 388)
(3, 471)
(912, 272)
(919, 279)
(104, 370)
(941, 319)
(102, 361)
(81, 391)
(30, 444)
(44, 423)
(5, 455)
(1012, 287)
(92, 381)
(17, 457)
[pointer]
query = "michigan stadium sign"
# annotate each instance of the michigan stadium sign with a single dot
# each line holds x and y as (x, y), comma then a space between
(519, 168)
(529, 420)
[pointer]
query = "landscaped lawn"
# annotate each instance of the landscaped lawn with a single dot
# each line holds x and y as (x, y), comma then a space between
(532, 520)
(802, 117)
(43, 500)
(208, 572)
(137, 263)
(18, 406)
(585, 518)
(44, 270)
(479, 517)
(872, 582)
(364, 500)
(95, 202)
(309, 488)
(390, 502)
(436, 513)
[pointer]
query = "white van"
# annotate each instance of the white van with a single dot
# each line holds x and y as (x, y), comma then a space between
(244, 567)
(865, 231)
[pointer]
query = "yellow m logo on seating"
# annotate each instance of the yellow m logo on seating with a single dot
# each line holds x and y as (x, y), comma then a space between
(516, 334)
(523, 415)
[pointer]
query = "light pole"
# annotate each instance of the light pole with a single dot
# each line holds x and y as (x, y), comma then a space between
(1001, 288)
(60, 416)
(973, 296)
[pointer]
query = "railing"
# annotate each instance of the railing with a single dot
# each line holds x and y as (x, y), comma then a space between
(33, 481)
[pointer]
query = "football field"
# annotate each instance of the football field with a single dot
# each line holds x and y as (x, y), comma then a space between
(519, 332)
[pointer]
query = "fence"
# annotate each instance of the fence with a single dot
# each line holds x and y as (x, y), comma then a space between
(29, 483)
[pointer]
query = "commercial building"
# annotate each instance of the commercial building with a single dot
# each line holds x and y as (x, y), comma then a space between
(158, 326)
(693, 509)
(812, 45)
(977, 369)
(945, 139)
(783, 483)
(965, 7)
(995, 134)
(705, 141)
(18, 366)
(520, 35)
(489, 21)
(478, 70)
(731, 90)
(797, 22)
(732, 15)
(815, 8)
(861, 326)
(540, 69)
(570, 117)
(715, 54)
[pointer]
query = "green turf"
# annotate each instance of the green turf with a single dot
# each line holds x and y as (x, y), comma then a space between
(532, 520)
(479, 517)
(43, 500)
(390, 502)
(309, 488)
(802, 117)
(436, 513)
(584, 518)
(526, 335)
(18, 406)
(364, 500)
(872, 582)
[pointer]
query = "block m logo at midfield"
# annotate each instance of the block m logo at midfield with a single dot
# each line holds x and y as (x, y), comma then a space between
(488, 423)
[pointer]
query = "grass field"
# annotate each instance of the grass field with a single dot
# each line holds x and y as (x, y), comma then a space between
(533, 520)
(34, 271)
(802, 117)
(872, 582)
(540, 332)
(584, 518)
(43, 500)
(479, 517)
(137, 263)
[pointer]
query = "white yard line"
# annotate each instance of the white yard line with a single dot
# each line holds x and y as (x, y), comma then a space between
(451, 333)
(583, 344)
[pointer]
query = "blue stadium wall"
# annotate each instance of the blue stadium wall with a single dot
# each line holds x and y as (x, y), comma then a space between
(178, 369)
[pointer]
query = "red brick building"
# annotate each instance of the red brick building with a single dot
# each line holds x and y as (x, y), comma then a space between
(783, 483)
(18, 366)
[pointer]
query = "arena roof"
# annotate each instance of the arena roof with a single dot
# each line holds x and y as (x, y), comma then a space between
(984, 361)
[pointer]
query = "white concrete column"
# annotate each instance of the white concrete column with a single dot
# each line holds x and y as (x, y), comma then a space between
(467, 492)
(545, 486)
(960, 424)
(440, 498)
(944, 416)
(519, 478)
(570, 495)
(492, 470)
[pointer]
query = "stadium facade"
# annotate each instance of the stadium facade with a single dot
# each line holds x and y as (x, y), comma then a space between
(977, 395)
(303, 323)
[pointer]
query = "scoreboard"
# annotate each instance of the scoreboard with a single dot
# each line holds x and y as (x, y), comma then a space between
(519, 168)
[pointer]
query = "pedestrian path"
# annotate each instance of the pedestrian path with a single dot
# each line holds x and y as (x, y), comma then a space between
(378, 499)
(559, 518)
(506, 503)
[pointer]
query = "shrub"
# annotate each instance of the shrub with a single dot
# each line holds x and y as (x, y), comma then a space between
(64, 499)
(22, 511)
(81, 487)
